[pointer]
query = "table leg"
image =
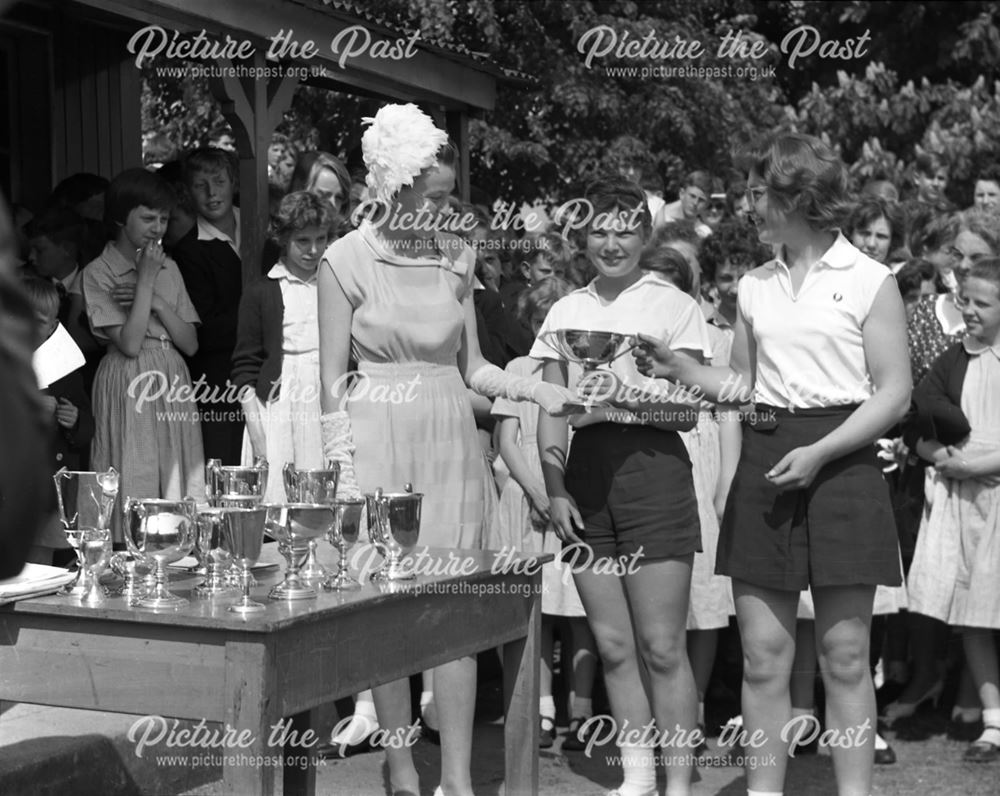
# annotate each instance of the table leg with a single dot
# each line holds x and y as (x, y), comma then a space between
(300, 780)
(250, 688)
(520, 702)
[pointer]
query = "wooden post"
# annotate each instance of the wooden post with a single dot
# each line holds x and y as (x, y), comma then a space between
(457, 124)
(253, 109)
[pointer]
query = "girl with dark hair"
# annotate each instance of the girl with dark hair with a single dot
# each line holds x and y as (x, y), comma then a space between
(137, 305)
(820, 349)
(876, 227)
(625, 495)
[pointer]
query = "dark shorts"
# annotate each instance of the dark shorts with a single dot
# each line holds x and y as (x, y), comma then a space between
(633, 487)
(839, 531)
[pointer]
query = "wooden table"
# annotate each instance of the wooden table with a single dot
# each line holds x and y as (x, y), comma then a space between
(204, 662)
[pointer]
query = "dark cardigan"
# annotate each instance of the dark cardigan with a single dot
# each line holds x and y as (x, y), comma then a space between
(258, 353)
(935, 412)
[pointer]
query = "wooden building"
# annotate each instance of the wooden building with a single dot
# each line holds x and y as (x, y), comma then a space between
(70, 89)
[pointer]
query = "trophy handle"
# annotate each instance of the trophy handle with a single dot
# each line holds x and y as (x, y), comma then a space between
(260, 462)
(213, 469)
(290, 476)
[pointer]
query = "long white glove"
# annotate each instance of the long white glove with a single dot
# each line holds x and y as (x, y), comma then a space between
(492, 382)
(338, 446)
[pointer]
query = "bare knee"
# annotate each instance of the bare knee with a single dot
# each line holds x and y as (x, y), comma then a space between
(663, 655)
(844, 661)
(614, 647)
(767, 660)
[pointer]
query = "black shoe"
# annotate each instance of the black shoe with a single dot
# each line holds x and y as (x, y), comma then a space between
(885, 757)
(967, 731)
(576, 741)
(546, 733)
(982, 752)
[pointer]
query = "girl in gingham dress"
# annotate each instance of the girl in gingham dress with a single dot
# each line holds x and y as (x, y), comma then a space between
(147, 422)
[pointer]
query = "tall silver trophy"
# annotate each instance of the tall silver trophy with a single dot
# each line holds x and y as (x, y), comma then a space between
(86, 500)
(242, 538)
(312, 486)
(394, 525)
(591, 350)
(238, 487)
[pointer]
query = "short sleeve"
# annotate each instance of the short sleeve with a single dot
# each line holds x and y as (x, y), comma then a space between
(689, 329)
(183, 305)
(343, 258)
(872, 277)
(102, 310)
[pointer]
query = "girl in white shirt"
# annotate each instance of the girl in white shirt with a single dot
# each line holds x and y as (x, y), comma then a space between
(820, 348)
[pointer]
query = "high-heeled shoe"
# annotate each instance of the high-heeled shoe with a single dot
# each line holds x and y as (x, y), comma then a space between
(901, 710)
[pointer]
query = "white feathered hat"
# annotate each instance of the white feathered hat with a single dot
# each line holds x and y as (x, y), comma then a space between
(400, 142)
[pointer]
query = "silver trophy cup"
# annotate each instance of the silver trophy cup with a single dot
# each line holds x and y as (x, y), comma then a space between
(242, 539)
(312, 486)
(293, 525)
(394, 525)
(239, 487)
(86, 500)
(211, 551)
(343, 534)
(162, 531)
(592, 350)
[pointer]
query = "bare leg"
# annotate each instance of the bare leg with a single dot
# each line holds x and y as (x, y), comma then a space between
(767, 628)
(584, 650)
(981, 656)
(702, 645)
(392, 702)
(843, 631)
(455, 694)
(658, 595)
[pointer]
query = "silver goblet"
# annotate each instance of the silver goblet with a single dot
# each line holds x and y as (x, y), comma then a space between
(343, 534)
(86, 499)
(293, 525)
(312, 486)
(211, 551)
(164, 531)
(394, 524)
(242, 538)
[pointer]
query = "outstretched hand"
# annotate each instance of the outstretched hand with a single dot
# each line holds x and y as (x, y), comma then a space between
(653, 357)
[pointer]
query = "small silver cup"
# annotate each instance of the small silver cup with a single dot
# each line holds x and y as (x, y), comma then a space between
(293, 525)
(312, 486)
(394, 523)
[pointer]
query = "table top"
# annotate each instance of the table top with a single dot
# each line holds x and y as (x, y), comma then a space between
(433, 567)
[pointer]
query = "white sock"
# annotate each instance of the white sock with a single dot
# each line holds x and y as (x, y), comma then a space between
(639, 770)
(583, 708)
(764, 792)
(803, 712)
(363, 723)
(547, 708)
(991, 722)
(426, 697)
(880, 743)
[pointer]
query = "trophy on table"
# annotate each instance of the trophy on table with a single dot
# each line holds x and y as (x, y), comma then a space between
(293, 525)
(312, 486)
(211, 550)
(343, 534)
(236, 486)
(591, 349)
(394, 525)
(242, 538)
(86, 500)
(164, 531)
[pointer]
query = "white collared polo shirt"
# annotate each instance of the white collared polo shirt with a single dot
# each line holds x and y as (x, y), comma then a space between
(810, 350)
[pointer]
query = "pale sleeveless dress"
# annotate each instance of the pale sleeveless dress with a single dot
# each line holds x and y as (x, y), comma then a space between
(410, 412)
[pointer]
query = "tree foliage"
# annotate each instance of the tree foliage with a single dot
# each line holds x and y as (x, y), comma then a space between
(926, 82)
